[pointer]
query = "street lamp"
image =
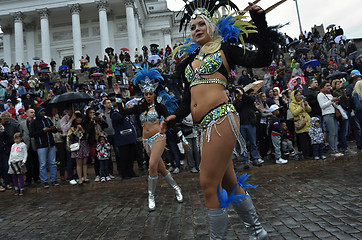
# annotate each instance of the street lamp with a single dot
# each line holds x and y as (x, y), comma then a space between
(300, 25)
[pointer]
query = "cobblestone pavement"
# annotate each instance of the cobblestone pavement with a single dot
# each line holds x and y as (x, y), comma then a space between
(300, 200)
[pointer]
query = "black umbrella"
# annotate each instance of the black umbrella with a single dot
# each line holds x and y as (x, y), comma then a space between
(302, 50)
(154, 45)
(337, 75)
(294, 43)
(352, 54)
(331, 26)
(71, 97)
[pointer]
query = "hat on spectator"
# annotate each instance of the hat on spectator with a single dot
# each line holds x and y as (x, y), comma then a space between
(274, 107)
(18, 99)
(356, 72)
(9, 100)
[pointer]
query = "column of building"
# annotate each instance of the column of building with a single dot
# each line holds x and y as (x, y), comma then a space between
(45, 37)
(30, 41)
(77, 34)
(7, 44)
(19, 37)
(103, 24)
(167, 37)
(131, 27)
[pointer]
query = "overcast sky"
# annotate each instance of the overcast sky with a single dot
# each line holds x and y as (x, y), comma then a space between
(345, 13)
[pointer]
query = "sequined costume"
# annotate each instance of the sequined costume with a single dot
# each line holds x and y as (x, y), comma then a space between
(210, 64)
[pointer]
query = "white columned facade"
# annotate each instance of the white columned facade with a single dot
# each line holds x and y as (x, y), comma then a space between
(7, 44)
(140, 38)
(45, 37)
(131, 28)
(77, 34)
(19, 37)
(30, 42)
(103, 24)
(167, 37)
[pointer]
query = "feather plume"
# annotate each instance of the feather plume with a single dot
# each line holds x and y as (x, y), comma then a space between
(226, 200)
(241, 181)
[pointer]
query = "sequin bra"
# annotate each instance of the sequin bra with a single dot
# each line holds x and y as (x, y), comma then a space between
(209, 65)
(150, 116)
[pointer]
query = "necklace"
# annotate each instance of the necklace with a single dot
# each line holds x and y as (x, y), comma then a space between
(151, 106)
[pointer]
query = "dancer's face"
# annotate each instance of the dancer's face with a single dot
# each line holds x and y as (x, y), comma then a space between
(149, 96)
(199, 31)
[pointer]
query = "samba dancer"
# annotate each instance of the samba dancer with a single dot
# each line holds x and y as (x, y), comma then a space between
(204, 74)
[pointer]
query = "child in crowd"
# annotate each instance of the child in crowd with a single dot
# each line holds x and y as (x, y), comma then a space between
(287, 144)
(275, 129)
(17, 159)
(104, 154)
(317, 138)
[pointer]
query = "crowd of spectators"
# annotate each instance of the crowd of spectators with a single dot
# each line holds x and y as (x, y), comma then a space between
(310, 117)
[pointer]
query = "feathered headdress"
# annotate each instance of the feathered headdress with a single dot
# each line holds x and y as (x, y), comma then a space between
(147, 79)
(231, 27)
(202, 7)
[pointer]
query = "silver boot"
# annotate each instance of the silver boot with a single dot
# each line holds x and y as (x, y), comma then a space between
(247, 213)
(174, 185)
(218, 223)
(152, 182)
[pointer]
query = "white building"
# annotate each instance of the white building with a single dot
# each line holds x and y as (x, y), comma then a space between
(73, 28)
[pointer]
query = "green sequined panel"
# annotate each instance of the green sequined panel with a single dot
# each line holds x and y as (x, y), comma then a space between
(215, 114)
(210, 64)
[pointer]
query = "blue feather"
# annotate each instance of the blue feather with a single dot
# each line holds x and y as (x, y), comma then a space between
(169, 100)
(226, 200)
(151, 73)
(227, 30)
(241, 181)
(188, 47)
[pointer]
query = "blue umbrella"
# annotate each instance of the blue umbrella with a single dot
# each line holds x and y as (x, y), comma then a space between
(63, 67)
(313, 63)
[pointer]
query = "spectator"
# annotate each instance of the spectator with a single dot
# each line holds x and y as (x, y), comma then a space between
(32, 163)
(340, 92)
(310, 95)
(287, 141)
(357, 100)
(275, 130)
(78, 134)
(326, 102)
(300, 110)
(317, 138)
(41, 130)
(104, 155)
(261, 133)
(65, 124)
(192, 155)
(17, 160)
(5, 145)
(245, 106)
(59, 144)
(297, 71)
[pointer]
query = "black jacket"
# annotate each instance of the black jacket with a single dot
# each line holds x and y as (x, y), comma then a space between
(246, 110)
(310, 95)
(42, 139)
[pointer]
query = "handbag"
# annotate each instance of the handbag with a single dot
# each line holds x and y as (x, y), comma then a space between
(74, 146)
(337, 113)
(300, 123)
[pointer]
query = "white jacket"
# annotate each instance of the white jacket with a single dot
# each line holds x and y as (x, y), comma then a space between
(18, 153)
(325, 103)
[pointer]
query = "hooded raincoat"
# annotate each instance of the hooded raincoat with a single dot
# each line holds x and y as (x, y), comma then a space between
(299, 112)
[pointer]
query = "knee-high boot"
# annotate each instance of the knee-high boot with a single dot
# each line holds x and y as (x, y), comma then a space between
(218, 223)
(247, 213)
(169, 179)
(152, 182)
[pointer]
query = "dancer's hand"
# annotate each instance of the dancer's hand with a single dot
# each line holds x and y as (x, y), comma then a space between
(256, 13)
(163, 125)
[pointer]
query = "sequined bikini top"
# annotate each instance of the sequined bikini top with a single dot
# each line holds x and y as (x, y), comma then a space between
(210, 64)
(150, 116)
